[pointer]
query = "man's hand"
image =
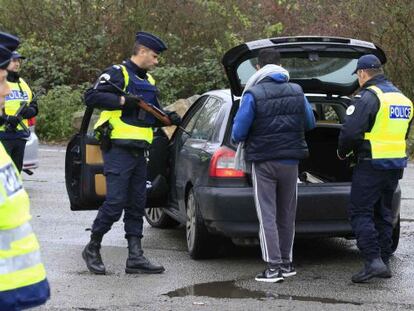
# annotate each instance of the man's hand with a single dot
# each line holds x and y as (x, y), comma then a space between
(13, 121)
(131, 102)
(174, 117)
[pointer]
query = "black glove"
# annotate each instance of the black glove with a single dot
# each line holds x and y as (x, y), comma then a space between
(12, 121)
(30, 110)
(174, 117)
(131, 102)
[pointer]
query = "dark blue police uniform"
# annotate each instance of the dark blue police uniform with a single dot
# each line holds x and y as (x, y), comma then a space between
(375, 178)
(125, 166)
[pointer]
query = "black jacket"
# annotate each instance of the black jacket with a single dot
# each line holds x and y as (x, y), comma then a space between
(362, 119)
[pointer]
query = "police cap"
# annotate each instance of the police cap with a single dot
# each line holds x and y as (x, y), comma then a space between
(8, 43)
(5, 56)
(17, 55)
(150, 41)
(369, 61)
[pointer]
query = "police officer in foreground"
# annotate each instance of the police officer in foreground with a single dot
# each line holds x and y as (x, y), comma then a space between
(375, 130)
(12, 134)
(126, 132)
(23, 282)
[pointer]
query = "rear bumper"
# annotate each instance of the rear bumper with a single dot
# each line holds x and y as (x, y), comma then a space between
(322, 210)
(31, 158)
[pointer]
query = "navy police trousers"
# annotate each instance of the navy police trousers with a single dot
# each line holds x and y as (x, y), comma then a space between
(370, 209)
(126, 176)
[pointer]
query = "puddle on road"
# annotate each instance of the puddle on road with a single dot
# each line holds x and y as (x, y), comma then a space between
(229, 289)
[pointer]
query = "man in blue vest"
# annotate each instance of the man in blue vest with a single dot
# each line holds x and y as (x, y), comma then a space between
(375, 131)
(125, 157)
(23, 282)
(272, 119)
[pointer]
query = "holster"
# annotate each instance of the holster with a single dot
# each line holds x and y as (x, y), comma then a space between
(103, 135)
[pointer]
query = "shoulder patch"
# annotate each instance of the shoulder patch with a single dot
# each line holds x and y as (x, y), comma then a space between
(350, 110)
(104, 78)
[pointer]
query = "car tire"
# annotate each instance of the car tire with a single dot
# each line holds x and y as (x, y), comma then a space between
(157, 218)
(396, 236)
(200, 243)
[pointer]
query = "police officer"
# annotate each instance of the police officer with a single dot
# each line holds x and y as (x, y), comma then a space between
(375, 130)
(23, 282)
(12, 134)
(125, 167)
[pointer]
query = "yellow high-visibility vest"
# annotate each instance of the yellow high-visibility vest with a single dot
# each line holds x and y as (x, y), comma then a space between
(387, 136)
(120, 129)
(20, 263)
(14, 99)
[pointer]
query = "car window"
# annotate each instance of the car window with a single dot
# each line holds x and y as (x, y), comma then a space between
(92, 121)
(205, 124)
(193, 115)
(218, 128)
(328, 113)
(326, 68)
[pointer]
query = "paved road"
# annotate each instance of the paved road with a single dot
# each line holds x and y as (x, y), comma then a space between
(324, 265)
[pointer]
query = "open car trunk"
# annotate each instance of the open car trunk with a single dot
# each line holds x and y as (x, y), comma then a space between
(323, 165)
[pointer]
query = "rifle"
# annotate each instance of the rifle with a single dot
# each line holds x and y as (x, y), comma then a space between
(151, 109)
(19, 117)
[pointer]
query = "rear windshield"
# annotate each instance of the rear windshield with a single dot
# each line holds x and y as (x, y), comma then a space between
(329, 68)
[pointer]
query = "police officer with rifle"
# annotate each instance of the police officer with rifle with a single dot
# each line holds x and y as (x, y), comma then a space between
(20, 106)
(127, 95)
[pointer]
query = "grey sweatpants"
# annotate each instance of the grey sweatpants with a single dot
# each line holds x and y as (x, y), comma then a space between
(275, 196)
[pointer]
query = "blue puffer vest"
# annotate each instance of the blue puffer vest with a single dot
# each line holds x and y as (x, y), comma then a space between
(278, 130)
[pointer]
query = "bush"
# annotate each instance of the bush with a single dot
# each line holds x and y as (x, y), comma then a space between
(182, 81)
(54, 121)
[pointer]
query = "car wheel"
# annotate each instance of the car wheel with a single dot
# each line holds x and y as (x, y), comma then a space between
(396, 235)
(157, 218)
(200, 243)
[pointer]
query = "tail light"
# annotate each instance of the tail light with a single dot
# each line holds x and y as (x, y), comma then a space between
(31, 121)
(222, 164)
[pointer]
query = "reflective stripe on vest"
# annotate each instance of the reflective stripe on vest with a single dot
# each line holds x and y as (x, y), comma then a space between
(11, 235)
(120, 129)
(387, 136)
(20, 263)
(14, 99)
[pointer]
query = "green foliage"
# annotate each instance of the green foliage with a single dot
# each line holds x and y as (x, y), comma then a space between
(206, 74)
(54, 121)
(273, 30)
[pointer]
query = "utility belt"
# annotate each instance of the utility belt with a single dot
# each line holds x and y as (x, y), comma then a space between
(135, 147)
(359, 160)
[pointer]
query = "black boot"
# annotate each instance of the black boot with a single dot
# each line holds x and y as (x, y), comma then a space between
(92, 256)
(388, 274)
(136, 262)
(373, 268)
